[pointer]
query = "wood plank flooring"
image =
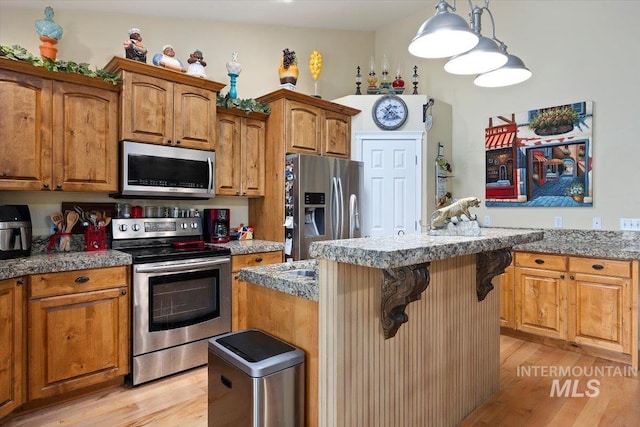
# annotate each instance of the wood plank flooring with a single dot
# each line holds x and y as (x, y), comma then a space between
(181, 400)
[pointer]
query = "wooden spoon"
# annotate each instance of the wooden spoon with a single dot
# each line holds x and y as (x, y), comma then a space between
(72, 218)
(58, 220)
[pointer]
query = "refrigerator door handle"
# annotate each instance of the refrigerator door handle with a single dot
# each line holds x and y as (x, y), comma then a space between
(335, 215)
(341, 209)
(354, 215)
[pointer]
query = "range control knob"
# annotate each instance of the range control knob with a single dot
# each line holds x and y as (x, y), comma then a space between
(135, 227)
(194, 225)
(183, 225)
(122, 227)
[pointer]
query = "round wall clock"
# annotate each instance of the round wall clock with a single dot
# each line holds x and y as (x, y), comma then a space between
(389, 112)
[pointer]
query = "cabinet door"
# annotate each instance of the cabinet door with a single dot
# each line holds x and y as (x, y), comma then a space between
(252, 168)
(85, 138)
(507, 301)
(25, 132)
(239, 289)
(77, 340)
(12, 352)
(600, 311)
(147, 109)
(303, 128)
(336, 139)
(194, 117)
(228, 155)
(541, 302)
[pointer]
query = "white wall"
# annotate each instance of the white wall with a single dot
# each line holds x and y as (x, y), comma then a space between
(577, 50)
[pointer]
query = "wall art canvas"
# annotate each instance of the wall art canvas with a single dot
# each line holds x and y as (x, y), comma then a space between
(541, 157)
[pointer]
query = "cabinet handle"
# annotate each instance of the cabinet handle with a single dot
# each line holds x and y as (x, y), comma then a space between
(123, 292)
(562, 276)
(597, 266)
(45, 185)
(572, 277)
(237, 192)
(20, 282)
(236, 277)
(82, 279)
(258, 259)
(59, 186)
(178, 142)
(539, 261)
(169, 142)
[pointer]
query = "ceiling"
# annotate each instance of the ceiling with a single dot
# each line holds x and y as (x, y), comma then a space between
(359, 15)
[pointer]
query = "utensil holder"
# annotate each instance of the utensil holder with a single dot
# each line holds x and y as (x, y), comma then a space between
(60, 241)
(95, 238)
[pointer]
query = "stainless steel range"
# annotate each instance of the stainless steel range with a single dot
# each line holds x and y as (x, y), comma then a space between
(181, 293)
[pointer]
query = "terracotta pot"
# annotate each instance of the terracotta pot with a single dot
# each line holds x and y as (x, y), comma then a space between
(578, 198)
(288, 75)
(47, 48)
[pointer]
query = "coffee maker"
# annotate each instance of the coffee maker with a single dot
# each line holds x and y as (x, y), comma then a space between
(216, 225)
(15, 231)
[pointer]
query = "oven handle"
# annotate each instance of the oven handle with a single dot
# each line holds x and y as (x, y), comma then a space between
(180, 266)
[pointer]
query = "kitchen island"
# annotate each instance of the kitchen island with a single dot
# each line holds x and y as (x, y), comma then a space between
(408, 330)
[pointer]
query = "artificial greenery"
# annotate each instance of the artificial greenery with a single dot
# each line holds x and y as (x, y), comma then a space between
(18, 53)
(554, 117)
(248, 105)
(575, 189)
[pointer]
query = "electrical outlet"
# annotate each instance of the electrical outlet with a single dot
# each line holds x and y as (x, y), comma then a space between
(557, 222)
(487, 220)
(625, 224)
(635, 224)
(597, 223)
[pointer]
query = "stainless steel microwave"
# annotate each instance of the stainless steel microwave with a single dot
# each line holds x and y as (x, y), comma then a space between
(149, 170)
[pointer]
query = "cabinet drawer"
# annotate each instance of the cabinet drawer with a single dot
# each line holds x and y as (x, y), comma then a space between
(545, 261)
(70, 282)
(252, 260)
(605, 267)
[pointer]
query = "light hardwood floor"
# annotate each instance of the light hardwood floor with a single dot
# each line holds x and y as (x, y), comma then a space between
(523, 400)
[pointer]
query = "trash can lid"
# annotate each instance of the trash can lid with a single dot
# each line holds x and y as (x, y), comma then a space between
(255, 352)
(254, 346)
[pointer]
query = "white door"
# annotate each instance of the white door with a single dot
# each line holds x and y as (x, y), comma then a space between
(391, 199)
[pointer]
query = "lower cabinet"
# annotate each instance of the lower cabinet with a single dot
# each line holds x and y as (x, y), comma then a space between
(589, 303)
(239, 288)
(78, 329)
(12, 348)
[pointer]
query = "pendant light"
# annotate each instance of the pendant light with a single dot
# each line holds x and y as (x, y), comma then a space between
(511, 73)
(485, 56)
(444, 34)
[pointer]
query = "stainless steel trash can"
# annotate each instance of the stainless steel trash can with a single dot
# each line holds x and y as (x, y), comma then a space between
(255, 380)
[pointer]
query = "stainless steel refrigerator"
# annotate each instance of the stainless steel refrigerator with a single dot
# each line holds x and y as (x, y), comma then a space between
(322, 197)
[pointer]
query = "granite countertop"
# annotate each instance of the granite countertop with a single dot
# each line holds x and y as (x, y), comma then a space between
(590, 243)
(411, 249)
(276, 277)
(53, 262)
(244, 247)
(61, 261)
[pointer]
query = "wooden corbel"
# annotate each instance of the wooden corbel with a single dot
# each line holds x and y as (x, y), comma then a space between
(488, 266)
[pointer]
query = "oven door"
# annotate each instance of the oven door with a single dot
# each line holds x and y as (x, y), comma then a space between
(178, 302)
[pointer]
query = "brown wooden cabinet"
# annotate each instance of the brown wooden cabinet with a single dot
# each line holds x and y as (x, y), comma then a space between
(239, 288)
(588, 303)
(12, 347)
(240, 153)
(507, 300)
(161, 106)
(78, 329)
(59, 130)
(541, 295)
(298, 123)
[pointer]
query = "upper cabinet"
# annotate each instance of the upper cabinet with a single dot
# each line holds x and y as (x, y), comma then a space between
(161, 106)
(310, 125)
(58, 131)
(240, 153)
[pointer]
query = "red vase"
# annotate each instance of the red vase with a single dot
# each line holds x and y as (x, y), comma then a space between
(47, 48)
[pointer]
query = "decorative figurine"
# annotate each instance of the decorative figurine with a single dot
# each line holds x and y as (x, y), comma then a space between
(315, 67)
(196, 64)
(133, 48)
(167, 59)
(49, 33)
(440, 217)
(288, 70)
(372, 80)
(233, 71)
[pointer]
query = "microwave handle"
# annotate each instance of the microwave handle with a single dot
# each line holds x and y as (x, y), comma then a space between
(210, 184)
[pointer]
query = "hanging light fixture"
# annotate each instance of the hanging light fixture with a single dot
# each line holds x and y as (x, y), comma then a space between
(444, 34)
(485, 56)
(511, 73)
